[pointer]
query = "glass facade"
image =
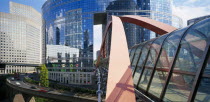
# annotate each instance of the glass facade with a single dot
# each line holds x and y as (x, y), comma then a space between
(159, 10)
(21, 40)
(70, 23)
(174, 67)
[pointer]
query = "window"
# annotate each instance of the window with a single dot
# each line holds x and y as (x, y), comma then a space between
(187, 63)
(136, 57)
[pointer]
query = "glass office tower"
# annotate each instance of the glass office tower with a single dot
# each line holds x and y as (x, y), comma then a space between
(70, 23)
(159, 10)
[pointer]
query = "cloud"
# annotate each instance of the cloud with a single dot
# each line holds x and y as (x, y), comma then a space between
(191, 1)
(190, 11)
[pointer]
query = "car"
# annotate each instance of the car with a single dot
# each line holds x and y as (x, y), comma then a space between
(33, 87)
(42, 90)
(17, 83)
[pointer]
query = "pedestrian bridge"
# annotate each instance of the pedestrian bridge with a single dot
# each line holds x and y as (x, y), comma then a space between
(175, 66)
(171, 67)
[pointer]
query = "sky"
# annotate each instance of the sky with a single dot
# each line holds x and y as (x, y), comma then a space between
(188, 9)
(185, 9)
(37, 4)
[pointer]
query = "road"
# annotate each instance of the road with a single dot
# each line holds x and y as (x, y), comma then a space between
(47, 92)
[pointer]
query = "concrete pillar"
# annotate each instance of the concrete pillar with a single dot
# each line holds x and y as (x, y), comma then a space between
(18, 98)
(83, 78)
(51, 75)
(90, 79)
(60, 77)
(86, 78)
(21, 69)
(32, 99)
(69, 78)
(54, 76)
(78, 77)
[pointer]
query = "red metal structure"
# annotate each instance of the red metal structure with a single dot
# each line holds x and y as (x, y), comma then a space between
(120, 83)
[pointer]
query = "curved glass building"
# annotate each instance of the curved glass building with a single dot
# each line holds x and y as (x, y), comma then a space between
(175, 66)
(70, 23)
(21, 40)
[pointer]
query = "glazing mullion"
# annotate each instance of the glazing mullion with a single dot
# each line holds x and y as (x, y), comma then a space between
(200, 33)
(132, 49)
(138, 59)
(199, 73)
(172, 65)
(134, 55)
(130, 52)
(155, 64)
(144, 63)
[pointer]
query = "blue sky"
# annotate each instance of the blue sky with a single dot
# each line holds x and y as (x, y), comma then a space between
(37, 4)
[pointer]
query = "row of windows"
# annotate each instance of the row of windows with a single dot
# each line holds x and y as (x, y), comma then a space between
(19, 44)
(165, 68)
(21, 69)
(71, 78)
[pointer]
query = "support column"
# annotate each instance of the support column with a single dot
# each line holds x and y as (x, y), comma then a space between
(18, 98)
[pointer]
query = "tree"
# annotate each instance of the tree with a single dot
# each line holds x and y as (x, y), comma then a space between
(44, 76)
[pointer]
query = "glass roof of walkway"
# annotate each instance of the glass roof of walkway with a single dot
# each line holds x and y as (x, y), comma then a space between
(175, 66)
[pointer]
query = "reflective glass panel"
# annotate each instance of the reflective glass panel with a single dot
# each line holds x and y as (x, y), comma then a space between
(168, 51)
(154, 51)
(140, 64)
(136, 57)
(187, 63)
(203, 93)
(142, 60)
(132, 53)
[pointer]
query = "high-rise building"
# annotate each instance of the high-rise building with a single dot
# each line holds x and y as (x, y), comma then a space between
(21, 39)
(70, 23)
(160, 10)
(195, 20)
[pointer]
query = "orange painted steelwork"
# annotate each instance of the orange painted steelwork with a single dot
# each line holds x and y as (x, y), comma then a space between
(120, 83)
(153, 25)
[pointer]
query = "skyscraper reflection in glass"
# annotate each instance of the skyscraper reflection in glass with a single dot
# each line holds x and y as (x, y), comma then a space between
(70, 23)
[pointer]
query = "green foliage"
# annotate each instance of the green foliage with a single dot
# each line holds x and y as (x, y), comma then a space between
(95, 61)
(29, 80)
(44, 76)
(72, 89)
(38, 99)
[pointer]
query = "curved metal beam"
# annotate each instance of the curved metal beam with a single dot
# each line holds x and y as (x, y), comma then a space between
(120, 83)
(153, 25)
